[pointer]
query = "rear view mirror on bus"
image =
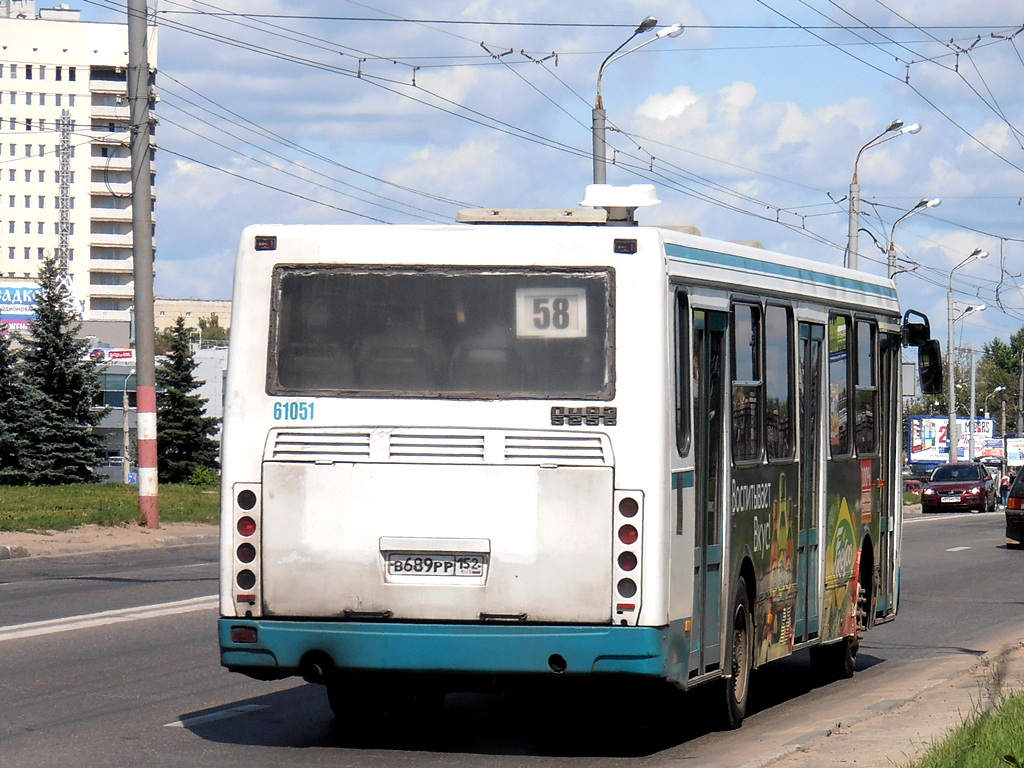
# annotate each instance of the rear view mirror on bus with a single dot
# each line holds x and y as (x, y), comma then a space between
(929, 367)
(917, 333)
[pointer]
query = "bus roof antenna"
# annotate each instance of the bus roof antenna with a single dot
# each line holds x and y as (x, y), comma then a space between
(620, 202)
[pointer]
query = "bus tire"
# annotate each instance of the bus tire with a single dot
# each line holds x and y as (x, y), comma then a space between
(740, 658)
(837, 661)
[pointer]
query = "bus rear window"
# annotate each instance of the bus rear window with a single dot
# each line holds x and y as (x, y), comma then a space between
(441, 332)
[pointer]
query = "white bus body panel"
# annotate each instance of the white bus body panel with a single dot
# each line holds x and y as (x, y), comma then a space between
(328, 529)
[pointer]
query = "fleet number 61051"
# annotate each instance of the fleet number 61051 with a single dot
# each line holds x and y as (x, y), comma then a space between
(293, 411)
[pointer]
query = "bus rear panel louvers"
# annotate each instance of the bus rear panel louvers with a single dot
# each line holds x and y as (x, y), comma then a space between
(554, 449)
(308, 445)
(437, 446)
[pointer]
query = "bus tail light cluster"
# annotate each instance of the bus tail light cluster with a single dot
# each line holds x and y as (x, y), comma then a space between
(627, 547)
(246, 542)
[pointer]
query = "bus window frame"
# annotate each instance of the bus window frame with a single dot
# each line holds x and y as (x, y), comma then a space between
(874, 341)
(274, 388)
(684, 370)
(790, 381)
(848, 449)
(757, 456)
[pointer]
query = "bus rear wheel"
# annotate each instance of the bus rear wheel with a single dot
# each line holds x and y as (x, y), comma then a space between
(740, 658)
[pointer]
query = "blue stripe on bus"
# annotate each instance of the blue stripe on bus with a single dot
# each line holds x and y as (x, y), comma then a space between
(682, 479)
(779, 270)
(458, 648)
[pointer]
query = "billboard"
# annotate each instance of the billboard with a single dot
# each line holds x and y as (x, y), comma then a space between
(928, 440)
(17, 302)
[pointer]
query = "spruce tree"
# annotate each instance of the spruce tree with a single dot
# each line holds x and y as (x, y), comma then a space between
(65, 385)
(18, 418)
(184, 433)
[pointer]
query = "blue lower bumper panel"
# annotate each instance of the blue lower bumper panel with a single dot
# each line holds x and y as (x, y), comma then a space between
(456, 649)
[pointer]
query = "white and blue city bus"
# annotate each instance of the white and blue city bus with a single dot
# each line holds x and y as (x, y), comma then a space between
(553, 444)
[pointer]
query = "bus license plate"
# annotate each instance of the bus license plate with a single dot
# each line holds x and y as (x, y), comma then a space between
(422, 564)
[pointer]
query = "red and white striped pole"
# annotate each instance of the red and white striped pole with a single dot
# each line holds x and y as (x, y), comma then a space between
(142, 258)
(149, 500)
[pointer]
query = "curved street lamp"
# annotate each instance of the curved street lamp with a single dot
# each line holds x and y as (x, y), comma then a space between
(600, 147)
(891, 253)
(1000, 388)
(125, 467)
(896, 128)
(951, 431)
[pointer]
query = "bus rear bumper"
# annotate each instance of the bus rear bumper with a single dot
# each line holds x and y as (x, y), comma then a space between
(283, 648)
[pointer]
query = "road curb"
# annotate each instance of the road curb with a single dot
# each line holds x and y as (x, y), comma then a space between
(877, 746)
(70, 548)
(10, 553)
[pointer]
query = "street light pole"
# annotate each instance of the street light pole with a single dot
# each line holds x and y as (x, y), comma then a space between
(951, 431)
(973, 426)
(598, 115)
(997, 389)
(853, 238)
(891, 253)
(125, 464)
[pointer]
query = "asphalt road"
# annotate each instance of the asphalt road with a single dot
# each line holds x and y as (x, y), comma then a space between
(135, 679)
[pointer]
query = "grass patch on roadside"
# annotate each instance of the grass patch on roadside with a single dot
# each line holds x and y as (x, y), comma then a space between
(62, 507)
(994, 738)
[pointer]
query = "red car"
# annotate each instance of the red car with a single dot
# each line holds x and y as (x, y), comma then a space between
(964, 485)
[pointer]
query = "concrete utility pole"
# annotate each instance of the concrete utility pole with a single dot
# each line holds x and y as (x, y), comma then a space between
(973, 423)
(1020, 398)
(142, 257)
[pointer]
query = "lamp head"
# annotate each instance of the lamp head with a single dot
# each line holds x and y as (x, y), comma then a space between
(979, 253)
(913, 128)
(647, 24)
(674, 31)
(895, 125)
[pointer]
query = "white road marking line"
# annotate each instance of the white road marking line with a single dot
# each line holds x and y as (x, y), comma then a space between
(221, 715)
(71, 623)
(957, 549)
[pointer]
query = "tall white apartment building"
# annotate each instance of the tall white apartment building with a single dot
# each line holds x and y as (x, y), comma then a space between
(52, 64)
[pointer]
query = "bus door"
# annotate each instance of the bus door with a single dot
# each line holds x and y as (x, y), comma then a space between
(889, 362)
(709, 345)
(811, 351)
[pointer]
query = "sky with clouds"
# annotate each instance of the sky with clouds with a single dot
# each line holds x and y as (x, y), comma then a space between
(399, 111)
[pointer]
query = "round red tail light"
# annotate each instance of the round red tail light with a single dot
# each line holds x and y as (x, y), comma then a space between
(246, 500)
(626, 587)
(246, 552)
(246, 526)
(628, 507)
(628, 534)
(627, 561)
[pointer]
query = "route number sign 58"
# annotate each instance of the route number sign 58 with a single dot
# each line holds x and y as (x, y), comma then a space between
(551, 313)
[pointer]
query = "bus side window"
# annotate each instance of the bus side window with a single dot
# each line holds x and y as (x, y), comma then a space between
(778, 382)
(838, 385)
(865, 388)
(686, 374)
(747, 383)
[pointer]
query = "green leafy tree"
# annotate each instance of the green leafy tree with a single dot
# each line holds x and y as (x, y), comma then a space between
(184, 433)
(211, 330)
(1000, 367)
(63, 384)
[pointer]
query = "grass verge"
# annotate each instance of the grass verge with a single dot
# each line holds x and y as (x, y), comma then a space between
(988, 740)
(62, 507)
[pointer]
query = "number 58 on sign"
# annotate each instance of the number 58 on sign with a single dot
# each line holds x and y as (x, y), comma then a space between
(559, 312)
